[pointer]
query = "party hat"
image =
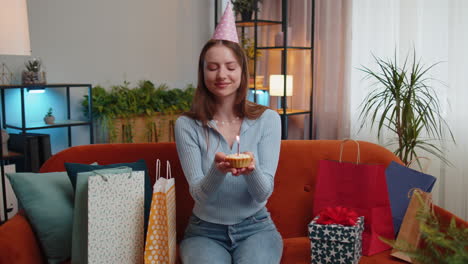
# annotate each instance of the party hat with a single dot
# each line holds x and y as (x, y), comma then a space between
(226, 29)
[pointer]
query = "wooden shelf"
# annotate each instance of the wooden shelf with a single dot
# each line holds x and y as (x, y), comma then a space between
(48, 85)
(293, 111)
(12, 154)
(293, 48)
(42, 125)
(259, 22)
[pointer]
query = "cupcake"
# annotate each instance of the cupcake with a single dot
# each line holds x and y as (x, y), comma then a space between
(239, 160)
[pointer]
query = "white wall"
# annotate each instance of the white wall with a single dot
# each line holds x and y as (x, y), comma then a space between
(108, 41)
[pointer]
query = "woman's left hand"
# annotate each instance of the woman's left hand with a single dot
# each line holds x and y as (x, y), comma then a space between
(247, 169)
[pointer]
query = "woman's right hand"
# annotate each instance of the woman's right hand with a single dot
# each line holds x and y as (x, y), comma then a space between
(223, 165)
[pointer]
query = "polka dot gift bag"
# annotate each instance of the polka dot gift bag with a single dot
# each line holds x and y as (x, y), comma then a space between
(160, 245)
(115, 217)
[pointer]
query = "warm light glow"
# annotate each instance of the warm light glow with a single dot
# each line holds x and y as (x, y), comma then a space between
(277, 85)
(14, 28)
(36, 91)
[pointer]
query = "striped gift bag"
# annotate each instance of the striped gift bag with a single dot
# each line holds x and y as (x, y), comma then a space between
(160, 245)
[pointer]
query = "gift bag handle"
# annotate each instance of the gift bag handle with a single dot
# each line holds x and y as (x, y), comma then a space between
(168, 170)
(158, 169)
(413, 190)
(358, 159)
(424, 169)
(104, 177)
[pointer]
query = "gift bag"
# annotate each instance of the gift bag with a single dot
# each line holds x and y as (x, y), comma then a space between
(362, 188)
(400, 180)
(409, 235)
(115, 218)
(161, 236)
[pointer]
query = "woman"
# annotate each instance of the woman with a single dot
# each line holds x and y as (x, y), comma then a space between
(230, 223)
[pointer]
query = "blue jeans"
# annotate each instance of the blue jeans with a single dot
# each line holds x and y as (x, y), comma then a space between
(254, 240)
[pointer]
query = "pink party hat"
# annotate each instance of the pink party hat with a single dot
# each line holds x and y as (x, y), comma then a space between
(226, 29)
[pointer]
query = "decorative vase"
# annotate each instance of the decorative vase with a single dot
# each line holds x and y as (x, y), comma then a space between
(30, 77)
(251, 66)
(49, 120)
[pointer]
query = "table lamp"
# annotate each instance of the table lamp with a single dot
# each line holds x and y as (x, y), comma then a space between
(277, 86)
(14, 33)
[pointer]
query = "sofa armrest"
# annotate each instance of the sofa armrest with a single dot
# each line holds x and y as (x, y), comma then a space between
(17, 242)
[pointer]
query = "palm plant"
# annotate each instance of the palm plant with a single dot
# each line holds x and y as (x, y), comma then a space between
(404, 103)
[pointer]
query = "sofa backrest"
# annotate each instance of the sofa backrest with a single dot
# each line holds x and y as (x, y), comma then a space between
(292, 199)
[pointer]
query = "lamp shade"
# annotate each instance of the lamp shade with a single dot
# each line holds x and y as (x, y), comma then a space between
(14, 28)
(277, 85)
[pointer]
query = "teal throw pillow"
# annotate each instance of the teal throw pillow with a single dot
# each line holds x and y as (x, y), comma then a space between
(47, 199)
(74, 168)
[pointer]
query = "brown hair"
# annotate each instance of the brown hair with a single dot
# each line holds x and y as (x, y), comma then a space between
(204, 104)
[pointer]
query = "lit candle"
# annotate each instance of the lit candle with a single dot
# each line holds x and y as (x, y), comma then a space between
(238, 145)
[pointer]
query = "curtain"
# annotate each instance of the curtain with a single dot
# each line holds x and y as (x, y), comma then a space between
(437, 31)
(332, 52)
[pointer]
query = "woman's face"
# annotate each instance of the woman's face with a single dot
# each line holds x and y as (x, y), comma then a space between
(222, 72)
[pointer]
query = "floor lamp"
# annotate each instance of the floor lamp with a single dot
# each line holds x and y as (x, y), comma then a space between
(14, 40)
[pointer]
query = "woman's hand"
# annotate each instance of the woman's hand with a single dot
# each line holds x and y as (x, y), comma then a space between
(225, 167)
(222, 164)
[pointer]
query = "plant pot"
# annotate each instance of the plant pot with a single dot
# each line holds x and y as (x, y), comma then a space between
(246, 15)
(49, 120)
(29, 77)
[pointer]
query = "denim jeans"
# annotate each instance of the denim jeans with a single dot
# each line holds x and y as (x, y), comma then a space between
(253, 241)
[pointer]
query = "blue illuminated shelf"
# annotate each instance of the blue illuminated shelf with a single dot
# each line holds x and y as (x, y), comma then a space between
(23, 126)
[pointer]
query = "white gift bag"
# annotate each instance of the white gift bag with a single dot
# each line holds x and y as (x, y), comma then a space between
(161, 235)
(115, 218)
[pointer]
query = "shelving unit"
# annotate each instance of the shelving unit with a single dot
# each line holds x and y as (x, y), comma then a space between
(255, 24)
(24, 126)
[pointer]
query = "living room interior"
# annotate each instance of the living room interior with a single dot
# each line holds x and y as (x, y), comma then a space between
(109, 44)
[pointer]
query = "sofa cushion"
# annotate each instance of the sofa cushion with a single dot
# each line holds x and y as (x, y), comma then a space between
(47, 199)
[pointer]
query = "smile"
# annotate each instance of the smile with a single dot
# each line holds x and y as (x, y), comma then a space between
(221, 85)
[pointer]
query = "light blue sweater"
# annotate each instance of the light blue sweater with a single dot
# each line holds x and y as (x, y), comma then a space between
(222, 198)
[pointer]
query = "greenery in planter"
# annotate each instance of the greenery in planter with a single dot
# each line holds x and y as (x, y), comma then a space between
(33, 65)
(404, 103)
(440, 247)
(245, 8)
(33, 73)
(249, 48)
(49, 112)
(143, 100)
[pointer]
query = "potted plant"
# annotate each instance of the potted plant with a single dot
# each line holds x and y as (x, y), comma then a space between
(245, 8)
(33, 73)
(441, 243)
(49, 118)
(404, 103)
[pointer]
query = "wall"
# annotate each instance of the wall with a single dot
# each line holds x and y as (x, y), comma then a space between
(106, 42)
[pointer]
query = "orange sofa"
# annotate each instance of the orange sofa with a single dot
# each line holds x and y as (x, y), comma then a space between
(290, 204)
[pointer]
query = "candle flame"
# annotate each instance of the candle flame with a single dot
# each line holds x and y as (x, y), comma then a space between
(237, 138)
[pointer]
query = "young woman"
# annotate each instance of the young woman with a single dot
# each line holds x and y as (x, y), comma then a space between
(230, 223)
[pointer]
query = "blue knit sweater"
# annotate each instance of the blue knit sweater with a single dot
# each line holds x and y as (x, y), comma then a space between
(222, 198)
